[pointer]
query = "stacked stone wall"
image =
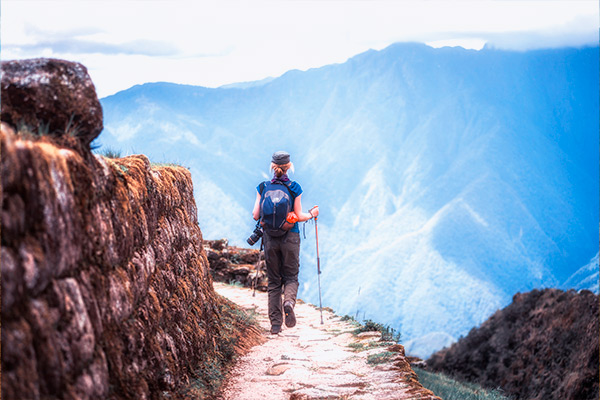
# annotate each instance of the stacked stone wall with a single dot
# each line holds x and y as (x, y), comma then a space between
(106, 290)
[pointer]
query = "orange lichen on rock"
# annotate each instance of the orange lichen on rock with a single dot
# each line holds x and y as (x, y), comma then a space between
(106, 290)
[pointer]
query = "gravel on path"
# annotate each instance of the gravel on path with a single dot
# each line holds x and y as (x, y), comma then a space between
(317, 361)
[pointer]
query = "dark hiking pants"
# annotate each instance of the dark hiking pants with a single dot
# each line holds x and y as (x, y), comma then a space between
(282, 259)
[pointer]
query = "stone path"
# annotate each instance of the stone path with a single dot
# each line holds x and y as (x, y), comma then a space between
(314, 361)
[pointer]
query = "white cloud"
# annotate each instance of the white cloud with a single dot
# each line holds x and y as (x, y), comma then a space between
(213, 43)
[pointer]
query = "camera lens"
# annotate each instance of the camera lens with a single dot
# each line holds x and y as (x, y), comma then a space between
(255, 236)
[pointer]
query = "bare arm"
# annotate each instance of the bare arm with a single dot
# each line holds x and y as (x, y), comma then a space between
(256, 210)
(298, 210)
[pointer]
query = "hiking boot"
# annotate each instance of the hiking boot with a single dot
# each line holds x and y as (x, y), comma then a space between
(275, 329)
(290, 317)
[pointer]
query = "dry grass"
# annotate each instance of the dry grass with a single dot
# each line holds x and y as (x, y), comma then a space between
(449, 389)
(239, 331)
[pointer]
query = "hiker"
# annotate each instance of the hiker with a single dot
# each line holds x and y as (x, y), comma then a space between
(281, 239)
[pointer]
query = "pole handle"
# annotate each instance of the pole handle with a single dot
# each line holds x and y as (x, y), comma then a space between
(310, 212)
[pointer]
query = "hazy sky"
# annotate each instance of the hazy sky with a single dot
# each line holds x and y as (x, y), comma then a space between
(211, 43)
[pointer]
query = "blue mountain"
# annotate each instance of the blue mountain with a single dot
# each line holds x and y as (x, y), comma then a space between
(448, 179)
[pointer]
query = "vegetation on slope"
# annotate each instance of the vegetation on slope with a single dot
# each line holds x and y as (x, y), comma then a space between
(450, 389)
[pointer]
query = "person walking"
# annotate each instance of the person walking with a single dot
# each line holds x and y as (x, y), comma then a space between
(281, 238)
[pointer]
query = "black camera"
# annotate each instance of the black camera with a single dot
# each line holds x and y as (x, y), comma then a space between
(256, 235)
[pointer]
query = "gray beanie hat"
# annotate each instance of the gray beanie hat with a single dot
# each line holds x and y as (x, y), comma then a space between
(281, 157)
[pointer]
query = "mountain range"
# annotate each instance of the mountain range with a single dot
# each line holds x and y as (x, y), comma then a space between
(448, 179)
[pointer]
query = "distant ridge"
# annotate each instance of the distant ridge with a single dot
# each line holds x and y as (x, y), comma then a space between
(245, 85)
(443, 175)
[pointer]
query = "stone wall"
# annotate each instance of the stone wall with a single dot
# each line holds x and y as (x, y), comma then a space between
(236, 265)
(106, 290)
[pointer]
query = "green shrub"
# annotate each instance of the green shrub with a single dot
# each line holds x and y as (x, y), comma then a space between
(235, 283)
(109, 152)
(72, 129)
(449, 389)
(387, 333)
(380, 358)
(357, 346)
(162, 164)
(28, 132)
(370, 326)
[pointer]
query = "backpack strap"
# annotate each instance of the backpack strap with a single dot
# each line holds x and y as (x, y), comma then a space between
(292, 195)
(261, 188)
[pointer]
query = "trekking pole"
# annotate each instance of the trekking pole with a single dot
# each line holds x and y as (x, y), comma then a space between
(318, 268)
(256, 270)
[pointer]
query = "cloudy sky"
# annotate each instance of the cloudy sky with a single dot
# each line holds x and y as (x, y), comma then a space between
(211, 43)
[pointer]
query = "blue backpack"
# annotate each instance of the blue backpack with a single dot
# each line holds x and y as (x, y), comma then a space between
(276, 202)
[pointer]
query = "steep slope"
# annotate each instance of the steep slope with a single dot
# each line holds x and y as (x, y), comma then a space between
(544, 345)
(443, 175)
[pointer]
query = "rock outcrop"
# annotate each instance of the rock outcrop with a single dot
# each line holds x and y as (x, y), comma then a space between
(52, 97)
(106, 290)
(230, 264)
(544, 345)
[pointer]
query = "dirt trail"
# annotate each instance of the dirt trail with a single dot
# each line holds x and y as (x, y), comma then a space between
(314, 361)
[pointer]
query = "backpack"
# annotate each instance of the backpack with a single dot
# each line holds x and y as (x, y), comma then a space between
(276, 202)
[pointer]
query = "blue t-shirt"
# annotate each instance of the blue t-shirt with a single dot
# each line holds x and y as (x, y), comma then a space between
(295, 189)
